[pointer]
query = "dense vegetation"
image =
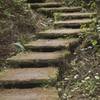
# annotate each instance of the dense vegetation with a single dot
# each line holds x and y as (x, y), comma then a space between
(17, 24)
(81, 79)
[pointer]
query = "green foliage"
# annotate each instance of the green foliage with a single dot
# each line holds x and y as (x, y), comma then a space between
(73, 2)
(91, 5)
(56, 16)
(94, 42)
(90, 34)
(87, 4)
(19, 47)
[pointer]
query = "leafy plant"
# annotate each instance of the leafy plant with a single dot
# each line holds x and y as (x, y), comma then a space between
(87, 4)
(19, 47)
(56, 16)
(91, 5)
(90, 33)
(73, 2)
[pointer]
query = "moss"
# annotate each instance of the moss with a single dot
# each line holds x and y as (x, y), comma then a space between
(3, 72)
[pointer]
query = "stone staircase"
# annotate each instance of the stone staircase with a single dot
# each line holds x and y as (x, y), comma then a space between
(31, 71)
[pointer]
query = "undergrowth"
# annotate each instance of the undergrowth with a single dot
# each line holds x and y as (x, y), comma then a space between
(81, 81)
(81, 78)
(17, 25)
(89, 5)
(81, 75)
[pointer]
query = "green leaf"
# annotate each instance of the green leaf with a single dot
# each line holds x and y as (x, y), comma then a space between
(19, 47)
(94, 42)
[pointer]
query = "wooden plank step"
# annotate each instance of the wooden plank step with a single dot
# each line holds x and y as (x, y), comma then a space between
(29, 94)
(27, 76)
(38, 58)
(59, 9)
(79, 15)
(49, 4)
(51, 44)
(55, 33)
(72, 23)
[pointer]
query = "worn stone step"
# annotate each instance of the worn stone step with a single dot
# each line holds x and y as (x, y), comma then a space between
(29, 94)
(50, 11)
(28, 76)
(48, 4)
(79, 15)
(75, 23)
(61, 9)
(55, 33)
(38, 58)
(51, 44)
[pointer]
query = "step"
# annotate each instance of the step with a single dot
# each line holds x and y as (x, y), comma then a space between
(61, 9)
(55, 33)
(51, 44)
(29, 94)
(49, 4)
(50, 11)
(76, 23)
(38, 58)
(28, 76)
(79, 15)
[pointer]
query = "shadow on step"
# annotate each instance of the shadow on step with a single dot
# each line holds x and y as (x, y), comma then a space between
(36, 1)
(24, 85)
(35, 65)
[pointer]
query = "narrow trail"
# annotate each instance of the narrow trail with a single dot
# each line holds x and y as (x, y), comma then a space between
(31, 71)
